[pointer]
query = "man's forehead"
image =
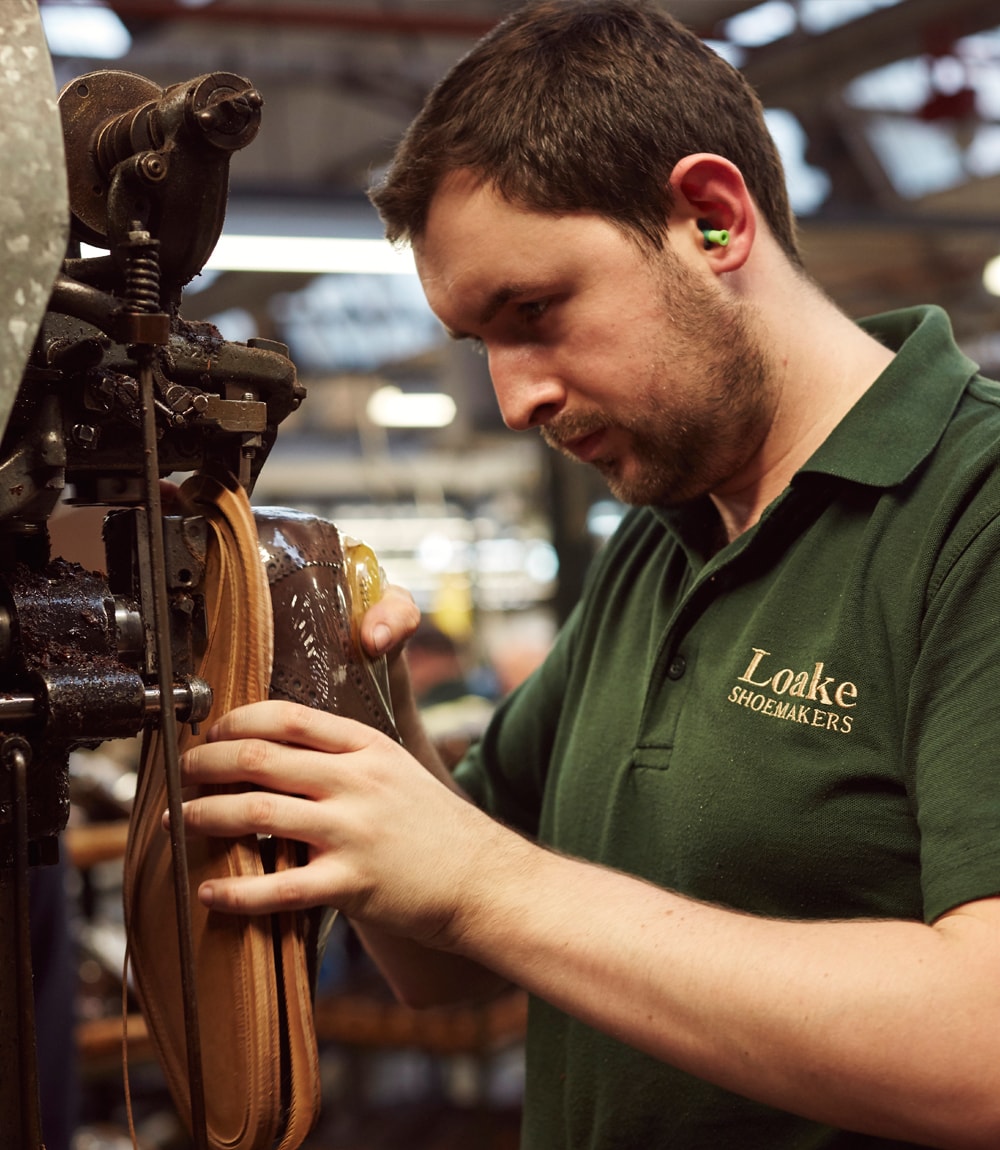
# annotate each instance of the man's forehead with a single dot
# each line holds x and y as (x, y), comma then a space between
(460, 197)
(462, 181)
(467, 218)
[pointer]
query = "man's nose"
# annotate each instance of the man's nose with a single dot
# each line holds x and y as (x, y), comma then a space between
(528, 394)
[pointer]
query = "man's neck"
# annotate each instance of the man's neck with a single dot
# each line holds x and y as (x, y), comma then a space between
(820, 379)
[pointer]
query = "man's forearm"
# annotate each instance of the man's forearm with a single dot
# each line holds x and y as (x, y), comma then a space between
(892, 1028)
(418, 975)
(410, 726)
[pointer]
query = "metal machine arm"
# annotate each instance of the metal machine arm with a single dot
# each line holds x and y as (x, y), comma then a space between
(117, 392)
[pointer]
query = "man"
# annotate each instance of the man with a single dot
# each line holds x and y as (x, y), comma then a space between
(741, 837)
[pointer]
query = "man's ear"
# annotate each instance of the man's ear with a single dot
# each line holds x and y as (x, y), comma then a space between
(710, 196)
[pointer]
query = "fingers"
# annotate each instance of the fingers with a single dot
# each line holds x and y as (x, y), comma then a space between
(257, 765)
(295, 889)
(277, 746)
(282, 722)
(301, 774)
(254, 813)
(236, 816)
(389, 622)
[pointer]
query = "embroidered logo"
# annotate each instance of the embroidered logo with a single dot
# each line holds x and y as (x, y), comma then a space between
(809, 696)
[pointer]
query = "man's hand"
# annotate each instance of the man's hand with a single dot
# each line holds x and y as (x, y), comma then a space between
(389, 844)
(388, 623)
(384, 630)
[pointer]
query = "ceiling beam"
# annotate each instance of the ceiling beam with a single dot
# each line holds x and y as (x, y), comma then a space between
(703, 16)
(798, 71)
(394, 22)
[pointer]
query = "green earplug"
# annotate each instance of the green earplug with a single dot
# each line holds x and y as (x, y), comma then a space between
(715, 236)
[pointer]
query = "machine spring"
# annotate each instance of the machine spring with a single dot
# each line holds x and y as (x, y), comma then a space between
(142, 273)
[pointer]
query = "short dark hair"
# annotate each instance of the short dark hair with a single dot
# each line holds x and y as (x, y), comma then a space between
(586, 105)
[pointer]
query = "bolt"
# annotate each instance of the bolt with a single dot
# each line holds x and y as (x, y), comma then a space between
(152, 167)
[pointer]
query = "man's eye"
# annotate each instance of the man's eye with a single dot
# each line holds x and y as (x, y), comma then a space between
(531, 310)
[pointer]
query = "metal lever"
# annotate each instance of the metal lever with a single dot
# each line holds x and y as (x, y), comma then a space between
(19, 1090)
(144, 353)
(190, 702)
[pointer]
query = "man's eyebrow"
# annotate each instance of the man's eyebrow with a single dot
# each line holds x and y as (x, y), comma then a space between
(494, 303)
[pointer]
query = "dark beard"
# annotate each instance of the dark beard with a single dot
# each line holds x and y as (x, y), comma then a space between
(681, 454)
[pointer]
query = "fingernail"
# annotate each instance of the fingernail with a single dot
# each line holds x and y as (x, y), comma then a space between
(381, 637)
(207, 895)
(165, 820)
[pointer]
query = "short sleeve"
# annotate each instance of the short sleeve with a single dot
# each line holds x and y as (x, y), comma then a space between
(953, 729)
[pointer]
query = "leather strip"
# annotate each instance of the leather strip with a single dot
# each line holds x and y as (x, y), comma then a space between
(245, 1012)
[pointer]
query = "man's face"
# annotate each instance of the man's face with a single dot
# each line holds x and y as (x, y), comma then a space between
(638, 365)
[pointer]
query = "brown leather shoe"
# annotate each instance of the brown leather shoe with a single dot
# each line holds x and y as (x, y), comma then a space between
(253, 974)
(321, 584)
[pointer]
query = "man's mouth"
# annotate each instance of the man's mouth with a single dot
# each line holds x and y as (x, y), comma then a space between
(584, 447)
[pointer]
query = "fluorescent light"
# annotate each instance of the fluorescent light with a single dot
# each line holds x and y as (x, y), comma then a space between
(390, 407)
(89, 30)
(763, 24)
(311, 254)
(991, 276)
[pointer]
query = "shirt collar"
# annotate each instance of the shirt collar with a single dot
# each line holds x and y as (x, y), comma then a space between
(883, 438)
(900, 418)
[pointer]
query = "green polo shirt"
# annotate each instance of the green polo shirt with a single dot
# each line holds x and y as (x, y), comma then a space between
(801, 725)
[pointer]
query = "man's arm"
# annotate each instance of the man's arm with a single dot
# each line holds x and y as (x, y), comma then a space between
(421, 975)
(886, 1027)
(418, 975)
(890, 1027)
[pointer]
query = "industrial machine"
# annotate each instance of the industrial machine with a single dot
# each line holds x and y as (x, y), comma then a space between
(104, 390)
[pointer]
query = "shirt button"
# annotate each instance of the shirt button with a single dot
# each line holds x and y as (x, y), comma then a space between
(678, 665)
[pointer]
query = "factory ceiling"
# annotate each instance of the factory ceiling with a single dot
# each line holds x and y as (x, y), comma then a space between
(888, 114)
